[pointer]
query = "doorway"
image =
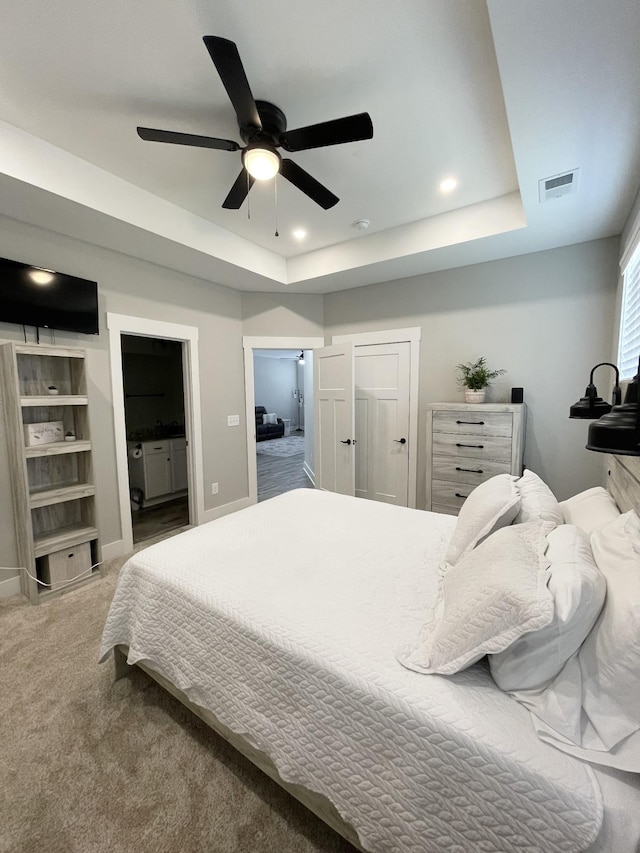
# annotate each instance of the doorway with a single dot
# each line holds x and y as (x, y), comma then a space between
(300, 410)
(154, 408)
(187, 337)
(279, 397)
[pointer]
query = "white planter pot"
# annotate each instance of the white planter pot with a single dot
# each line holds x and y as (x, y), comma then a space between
(474, 396)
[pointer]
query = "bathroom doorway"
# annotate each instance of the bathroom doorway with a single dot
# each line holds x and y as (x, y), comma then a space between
(154, 404)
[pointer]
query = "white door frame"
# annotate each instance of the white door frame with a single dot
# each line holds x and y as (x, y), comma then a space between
(250, 343)
(413, 336)
(122, 324)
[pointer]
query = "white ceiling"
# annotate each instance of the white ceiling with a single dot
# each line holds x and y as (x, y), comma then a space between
(497, 95)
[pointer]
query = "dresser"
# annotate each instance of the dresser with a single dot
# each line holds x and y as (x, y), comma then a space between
(466, 445)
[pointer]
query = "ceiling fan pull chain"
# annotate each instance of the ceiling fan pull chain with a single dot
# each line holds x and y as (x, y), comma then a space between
(248, 198)
(275, 194)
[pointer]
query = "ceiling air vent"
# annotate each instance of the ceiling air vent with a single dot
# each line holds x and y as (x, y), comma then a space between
(558, 185)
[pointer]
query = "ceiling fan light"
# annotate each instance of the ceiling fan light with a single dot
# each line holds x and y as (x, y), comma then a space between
(262, 163)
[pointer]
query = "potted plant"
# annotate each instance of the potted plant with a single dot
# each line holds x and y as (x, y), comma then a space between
(70, 436)
(52, 389)
(475, 377)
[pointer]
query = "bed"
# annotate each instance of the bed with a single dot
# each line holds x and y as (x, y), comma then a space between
(283, 627)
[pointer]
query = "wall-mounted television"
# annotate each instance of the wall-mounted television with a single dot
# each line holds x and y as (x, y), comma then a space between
(34, 296)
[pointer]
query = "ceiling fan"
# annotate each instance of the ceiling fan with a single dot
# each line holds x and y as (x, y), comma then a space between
(263, 128)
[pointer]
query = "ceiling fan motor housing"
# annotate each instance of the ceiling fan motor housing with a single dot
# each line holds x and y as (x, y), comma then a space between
(274, 123)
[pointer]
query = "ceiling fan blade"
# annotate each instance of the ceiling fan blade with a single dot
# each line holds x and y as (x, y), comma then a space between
(151, 135)
(227, 61)
(309, 186)
(336, 132)
(239, 191)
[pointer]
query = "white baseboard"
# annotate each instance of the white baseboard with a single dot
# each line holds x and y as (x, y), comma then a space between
(226, 509)
(10, 587)
(309, 474)
(114, 549)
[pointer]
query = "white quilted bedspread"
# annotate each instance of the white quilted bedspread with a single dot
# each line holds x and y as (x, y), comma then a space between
(284, 620)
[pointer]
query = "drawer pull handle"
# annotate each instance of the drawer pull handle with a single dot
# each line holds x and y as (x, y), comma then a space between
(158, 448)
(458, 495)
(481, 446)
(474, 423)
(470, 470)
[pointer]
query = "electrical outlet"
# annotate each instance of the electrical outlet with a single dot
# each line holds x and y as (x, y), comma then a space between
(214, 488)
(233, 420)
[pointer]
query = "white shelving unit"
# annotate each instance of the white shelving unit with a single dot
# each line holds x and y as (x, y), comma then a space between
(53, 488)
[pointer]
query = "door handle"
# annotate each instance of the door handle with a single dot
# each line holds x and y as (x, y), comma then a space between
(348, 441)
(400, 440)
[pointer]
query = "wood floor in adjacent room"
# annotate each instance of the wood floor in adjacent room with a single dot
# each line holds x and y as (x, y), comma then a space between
(277, 475)
(161, 518)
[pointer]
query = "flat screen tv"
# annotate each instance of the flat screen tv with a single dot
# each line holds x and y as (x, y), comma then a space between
(33, 296)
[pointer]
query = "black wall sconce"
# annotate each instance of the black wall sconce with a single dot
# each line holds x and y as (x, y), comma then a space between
(617, 428)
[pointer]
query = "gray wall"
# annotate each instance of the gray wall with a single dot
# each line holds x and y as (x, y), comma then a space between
(275, 380)
(546, 318)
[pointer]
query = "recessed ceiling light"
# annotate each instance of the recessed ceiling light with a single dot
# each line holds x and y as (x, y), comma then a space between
(299, 233)
(448, 185)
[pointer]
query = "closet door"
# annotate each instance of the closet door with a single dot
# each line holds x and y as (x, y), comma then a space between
(382, 389)
(334, 433)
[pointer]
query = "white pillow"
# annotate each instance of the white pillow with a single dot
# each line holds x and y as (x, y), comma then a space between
(592, 709)
(492, 596)
(490, 506)
(578, 589)
(590, 510)
(270, 419)
(537, 501)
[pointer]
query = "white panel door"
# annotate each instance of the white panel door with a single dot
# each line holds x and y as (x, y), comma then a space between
(334, 419)
(382, 388)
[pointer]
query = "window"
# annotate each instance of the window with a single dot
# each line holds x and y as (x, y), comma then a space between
(629, 345)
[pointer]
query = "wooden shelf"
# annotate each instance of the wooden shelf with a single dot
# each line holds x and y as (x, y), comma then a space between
(44, 593)
(52, 485)
(60, 494)
(57, 448)
(44, 349)
(54, 400)
(64, 537)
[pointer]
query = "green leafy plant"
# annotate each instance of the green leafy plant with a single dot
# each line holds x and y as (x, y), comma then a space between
(475, 375)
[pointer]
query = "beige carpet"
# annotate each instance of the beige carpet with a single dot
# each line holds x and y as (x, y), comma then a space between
(89, 765)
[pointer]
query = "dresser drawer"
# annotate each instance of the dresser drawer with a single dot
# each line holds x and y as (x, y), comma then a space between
(445, 510)
(472, 447)
(149, 448)
(446, 494)
(466, 470)
(483, 423)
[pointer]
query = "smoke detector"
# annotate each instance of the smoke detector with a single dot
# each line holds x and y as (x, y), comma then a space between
(361, 224)
(558, 185)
